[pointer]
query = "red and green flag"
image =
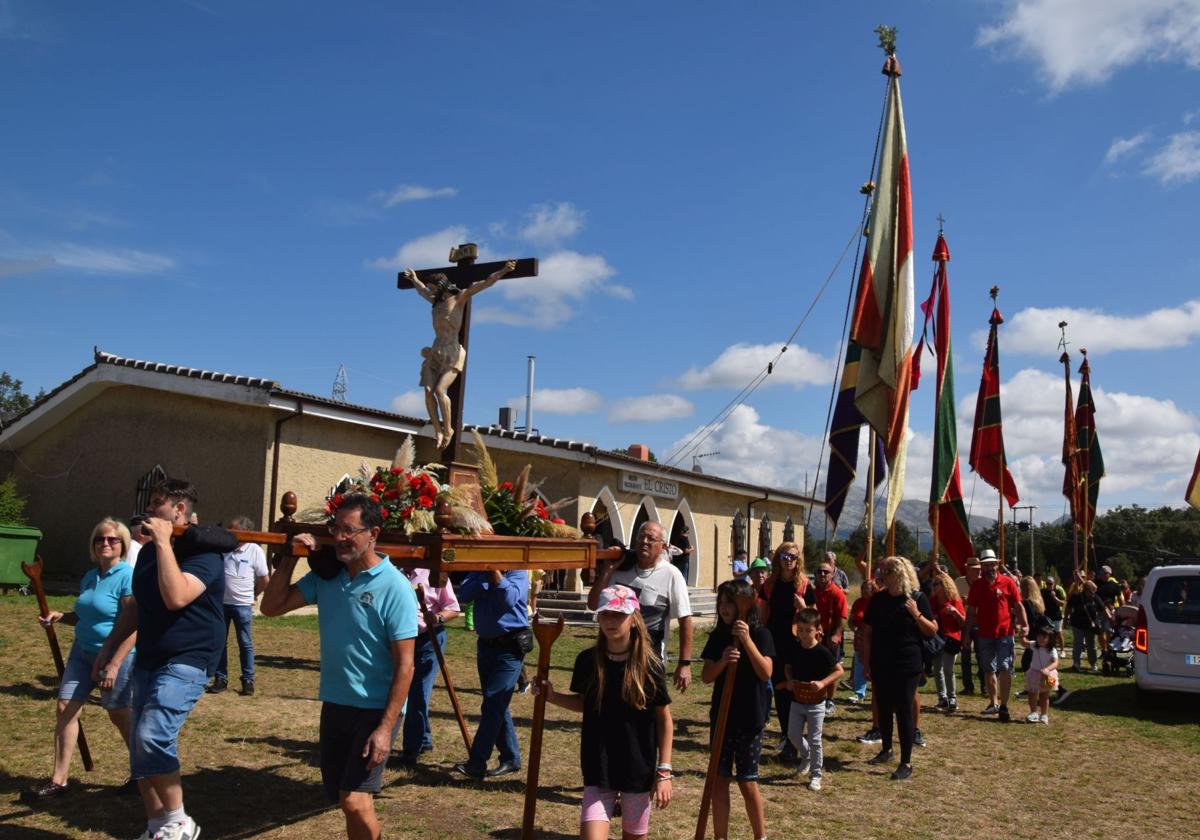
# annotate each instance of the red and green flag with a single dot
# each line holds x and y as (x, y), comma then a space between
(947, 516)
(987, 438)
(883, 311)
(1070, 462)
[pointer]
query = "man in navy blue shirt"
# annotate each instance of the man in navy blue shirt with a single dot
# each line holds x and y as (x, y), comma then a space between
(502, 624)
(177, 613)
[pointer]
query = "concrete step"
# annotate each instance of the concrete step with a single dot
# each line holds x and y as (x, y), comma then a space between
(573, 605)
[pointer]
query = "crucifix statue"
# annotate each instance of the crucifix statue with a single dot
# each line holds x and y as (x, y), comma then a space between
(443, 371)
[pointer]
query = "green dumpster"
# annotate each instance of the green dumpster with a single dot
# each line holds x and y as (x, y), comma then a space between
(18, 545)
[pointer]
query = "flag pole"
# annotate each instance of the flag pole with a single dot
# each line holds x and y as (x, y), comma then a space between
(933, 551)
(870, 500)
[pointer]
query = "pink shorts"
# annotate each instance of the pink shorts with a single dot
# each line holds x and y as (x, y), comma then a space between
(599, 803)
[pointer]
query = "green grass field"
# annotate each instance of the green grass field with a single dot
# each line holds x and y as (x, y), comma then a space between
(1105, 767)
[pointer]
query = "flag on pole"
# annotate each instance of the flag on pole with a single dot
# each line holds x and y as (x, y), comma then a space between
(987, 438)
(1193, 490)
(1087, 448)
(843, 440)
(945, 492)
(1070, 462)
(883, 311)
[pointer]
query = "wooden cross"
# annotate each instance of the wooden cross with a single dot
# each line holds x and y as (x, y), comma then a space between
(463, 274)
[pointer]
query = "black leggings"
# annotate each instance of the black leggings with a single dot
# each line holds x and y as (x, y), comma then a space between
(894, 695)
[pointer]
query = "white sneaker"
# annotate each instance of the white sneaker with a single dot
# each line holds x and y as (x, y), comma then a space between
(1032, 717)
(814, 783)
(185, 829)
(1044, 719)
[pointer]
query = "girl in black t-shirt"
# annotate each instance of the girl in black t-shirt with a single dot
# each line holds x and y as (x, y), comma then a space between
(750, 647)
(620, 688)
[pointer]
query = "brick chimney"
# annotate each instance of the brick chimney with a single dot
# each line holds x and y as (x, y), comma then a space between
(639, 451)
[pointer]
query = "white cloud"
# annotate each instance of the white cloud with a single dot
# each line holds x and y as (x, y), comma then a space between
(1123, 146)
(102, 260)
(411, 192)
(19, 267)
(551, 224)
(1083, 42)
(565, 278)
(650, 409)
(1035, 330)
(740, 363)
(754, 452)
(410, 403)
(1148, 444)
(1178, 161)
(431, 249)
(560, 401)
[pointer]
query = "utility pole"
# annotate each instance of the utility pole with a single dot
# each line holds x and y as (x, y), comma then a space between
(1016, 539)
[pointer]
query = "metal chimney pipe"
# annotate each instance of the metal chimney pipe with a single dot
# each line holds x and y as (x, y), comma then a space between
(529, 395)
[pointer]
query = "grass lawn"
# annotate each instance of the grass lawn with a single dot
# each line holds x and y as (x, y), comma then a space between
(1105, 767)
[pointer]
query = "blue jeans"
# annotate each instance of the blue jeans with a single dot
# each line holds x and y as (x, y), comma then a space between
(240, 617)
(162, 699)
(858, 679)
(77, 680)
(498, 669)
(418, 737)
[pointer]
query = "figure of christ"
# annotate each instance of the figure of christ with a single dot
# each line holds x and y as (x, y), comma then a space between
(444, 361)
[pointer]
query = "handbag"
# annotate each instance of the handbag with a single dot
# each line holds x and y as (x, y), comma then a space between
(953, 646)
(932, 647)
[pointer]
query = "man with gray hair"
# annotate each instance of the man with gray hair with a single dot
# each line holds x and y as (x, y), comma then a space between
(839, 575)
(246, 575)
(661, 591)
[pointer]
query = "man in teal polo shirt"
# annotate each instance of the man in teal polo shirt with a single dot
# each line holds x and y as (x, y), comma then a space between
(367, 614)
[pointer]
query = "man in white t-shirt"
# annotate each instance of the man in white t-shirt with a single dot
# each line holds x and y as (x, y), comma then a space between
(246, 575)
(661, 592)
(137, 538)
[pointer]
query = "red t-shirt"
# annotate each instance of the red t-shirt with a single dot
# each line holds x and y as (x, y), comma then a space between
(950, 621)
(831, 604)
(993, 603)
(858, 611)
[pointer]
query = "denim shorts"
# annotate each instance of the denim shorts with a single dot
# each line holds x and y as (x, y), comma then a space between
(162, 699)
(995, 656)
(77, 681)
(741, 751)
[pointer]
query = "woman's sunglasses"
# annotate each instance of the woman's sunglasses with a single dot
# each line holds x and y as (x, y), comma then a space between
(106, 541)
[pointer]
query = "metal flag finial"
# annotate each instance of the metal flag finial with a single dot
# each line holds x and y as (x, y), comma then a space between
(941, 223)
(1062, 342)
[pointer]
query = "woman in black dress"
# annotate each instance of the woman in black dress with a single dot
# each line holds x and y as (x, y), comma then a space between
(899, 618)
(784, 592)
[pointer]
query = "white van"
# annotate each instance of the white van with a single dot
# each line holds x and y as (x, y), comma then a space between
(1166, 643)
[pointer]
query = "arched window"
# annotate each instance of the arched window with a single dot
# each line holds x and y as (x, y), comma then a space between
(789, 530)
(764, 535)
(145, 484)
(738, 532)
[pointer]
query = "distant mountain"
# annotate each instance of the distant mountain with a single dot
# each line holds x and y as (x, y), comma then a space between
(913, 513)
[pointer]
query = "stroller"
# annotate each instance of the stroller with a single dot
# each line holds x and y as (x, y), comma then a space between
(1118, 656)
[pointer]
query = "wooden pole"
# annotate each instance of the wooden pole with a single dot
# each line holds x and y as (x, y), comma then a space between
(744, 605)
(933, 551)
(716, 556)
(545, 635)
(431, 631)
(1000, 518)
(34, 573)
(870, 501)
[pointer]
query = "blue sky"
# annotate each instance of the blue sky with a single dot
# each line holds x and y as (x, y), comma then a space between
(233, 186)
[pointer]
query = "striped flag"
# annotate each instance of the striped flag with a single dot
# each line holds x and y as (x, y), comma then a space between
(945, 492)
(1087, 450)
(843, 440)
(883, 311)
(987, 439)
(1193, 489)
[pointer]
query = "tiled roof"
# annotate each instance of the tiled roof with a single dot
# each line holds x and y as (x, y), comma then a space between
(193, 373)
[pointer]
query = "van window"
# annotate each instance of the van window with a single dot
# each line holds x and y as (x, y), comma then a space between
(1176, 599)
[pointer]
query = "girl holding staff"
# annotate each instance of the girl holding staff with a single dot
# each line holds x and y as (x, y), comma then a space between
(620, 688)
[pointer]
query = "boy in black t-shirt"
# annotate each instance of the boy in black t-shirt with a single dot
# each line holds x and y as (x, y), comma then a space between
(810, 669)
(749, 646)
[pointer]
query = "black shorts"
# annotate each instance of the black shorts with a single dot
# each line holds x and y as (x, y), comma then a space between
(344, 734)
(741, 750)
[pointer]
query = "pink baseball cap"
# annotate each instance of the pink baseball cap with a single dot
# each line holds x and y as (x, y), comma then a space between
(618, 599)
